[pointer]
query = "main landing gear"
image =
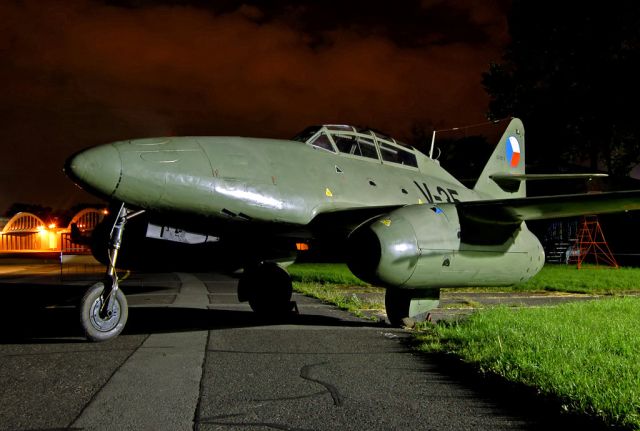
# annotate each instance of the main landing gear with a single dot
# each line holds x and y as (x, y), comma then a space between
(405, 307)
(103, 309)
(268, 289)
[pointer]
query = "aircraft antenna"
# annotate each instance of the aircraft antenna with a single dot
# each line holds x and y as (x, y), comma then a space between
(465, 128)
(433, 141)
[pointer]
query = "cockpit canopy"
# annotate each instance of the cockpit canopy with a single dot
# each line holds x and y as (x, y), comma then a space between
(365, 143)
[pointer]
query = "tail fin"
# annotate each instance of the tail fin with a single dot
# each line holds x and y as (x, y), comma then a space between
(507, 159)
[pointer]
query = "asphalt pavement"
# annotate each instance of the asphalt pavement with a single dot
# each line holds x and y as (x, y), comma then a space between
(192, 357)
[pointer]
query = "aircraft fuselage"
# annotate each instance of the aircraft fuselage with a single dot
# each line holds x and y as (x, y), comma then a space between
(258, 179)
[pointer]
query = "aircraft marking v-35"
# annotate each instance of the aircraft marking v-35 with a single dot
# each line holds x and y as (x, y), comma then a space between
(408, 224)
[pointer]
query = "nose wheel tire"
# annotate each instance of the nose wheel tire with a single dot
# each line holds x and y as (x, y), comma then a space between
(96, 327)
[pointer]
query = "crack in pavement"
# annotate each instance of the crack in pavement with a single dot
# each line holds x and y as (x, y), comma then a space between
(305, 373)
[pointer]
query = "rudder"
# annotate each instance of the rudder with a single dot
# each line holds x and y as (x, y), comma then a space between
(508, 158)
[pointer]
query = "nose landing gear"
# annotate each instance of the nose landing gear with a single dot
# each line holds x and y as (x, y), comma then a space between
(103, 309)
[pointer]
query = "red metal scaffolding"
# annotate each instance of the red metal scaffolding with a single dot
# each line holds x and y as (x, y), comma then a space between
(591, 242)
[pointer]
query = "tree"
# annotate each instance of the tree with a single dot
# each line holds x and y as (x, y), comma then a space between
(571, 74)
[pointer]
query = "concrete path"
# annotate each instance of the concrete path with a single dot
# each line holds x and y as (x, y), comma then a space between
(158, 387)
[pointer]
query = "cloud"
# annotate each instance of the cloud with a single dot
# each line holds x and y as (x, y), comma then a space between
(80, 72)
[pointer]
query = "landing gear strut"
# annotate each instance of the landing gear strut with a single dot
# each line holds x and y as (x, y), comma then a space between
(268, 289)
(405, 307)
(103, 309)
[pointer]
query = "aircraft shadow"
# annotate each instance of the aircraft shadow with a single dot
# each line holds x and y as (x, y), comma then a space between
(46, 314)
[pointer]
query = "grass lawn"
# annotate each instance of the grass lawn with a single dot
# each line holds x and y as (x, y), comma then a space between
(589, 279)
(324, 273)
(585, 354)
(334, 283)
(344, 297)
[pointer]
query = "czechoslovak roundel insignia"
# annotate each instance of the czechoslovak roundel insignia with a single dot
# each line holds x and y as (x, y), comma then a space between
(513, 151)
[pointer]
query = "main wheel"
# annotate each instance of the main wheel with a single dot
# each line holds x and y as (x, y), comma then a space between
(95, 327)
(268, 289)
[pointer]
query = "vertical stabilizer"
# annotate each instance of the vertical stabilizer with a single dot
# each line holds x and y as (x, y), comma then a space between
(507, 159)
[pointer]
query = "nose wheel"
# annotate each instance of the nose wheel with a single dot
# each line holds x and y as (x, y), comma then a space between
(99, 327)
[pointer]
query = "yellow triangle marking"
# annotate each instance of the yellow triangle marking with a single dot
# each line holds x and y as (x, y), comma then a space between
(420, 202)
(386, 222)
(328, 192)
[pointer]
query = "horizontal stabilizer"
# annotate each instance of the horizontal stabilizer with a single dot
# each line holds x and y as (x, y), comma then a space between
(511, 182)
(533, 177)
(514, 211)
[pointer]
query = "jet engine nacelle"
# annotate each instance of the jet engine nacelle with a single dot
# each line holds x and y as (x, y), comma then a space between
(420, 247)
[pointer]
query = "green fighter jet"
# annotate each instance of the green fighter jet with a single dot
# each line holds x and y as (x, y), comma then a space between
(398, 217)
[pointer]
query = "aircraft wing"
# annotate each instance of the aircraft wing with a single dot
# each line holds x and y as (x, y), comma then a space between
(514, 211)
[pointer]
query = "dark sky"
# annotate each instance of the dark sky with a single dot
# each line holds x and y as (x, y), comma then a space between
(79, 73)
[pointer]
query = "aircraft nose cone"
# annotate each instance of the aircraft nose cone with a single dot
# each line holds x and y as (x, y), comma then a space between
(96, 170)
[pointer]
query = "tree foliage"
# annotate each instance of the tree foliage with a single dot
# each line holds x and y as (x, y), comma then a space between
(571, 73)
